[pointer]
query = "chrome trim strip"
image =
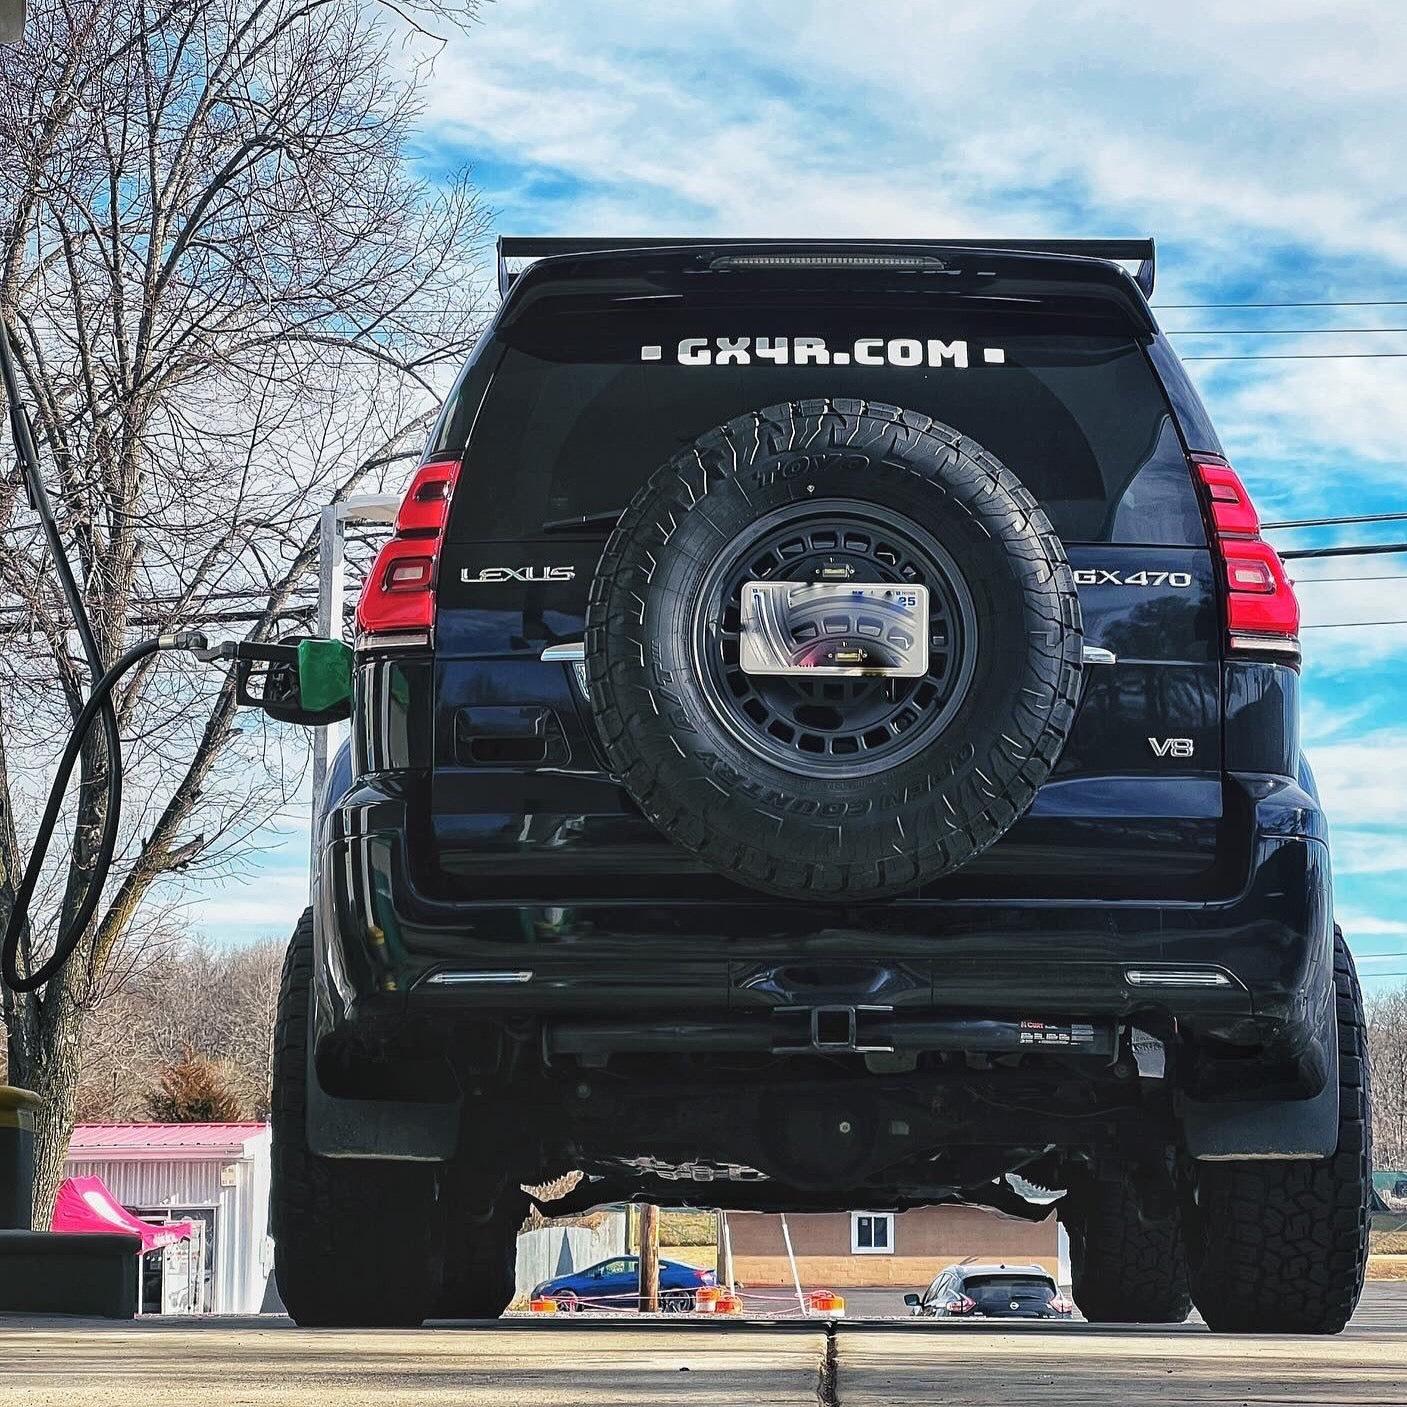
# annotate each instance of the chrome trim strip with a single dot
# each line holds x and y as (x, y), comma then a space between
(570, 654)
(458, 977)
(392, 640)
(1269, 644)
(1097, 654)
(1177, 977)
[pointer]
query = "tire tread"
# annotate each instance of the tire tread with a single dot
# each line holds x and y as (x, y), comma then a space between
(1285, 1244)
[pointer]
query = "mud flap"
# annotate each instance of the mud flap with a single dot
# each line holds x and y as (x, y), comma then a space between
(1216, 1130)
(379, 1128)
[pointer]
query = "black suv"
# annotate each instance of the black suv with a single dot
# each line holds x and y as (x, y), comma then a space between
(825, 734)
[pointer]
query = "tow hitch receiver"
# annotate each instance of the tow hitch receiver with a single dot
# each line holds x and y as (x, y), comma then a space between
(831, 1030)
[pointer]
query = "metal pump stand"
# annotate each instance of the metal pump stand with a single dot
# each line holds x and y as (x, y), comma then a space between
(332, 584)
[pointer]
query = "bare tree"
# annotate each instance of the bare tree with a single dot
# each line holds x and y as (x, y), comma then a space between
(233, 304)
(1387, 1058)
(181, 995)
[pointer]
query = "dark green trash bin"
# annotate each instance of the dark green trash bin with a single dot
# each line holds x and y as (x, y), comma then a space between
(17, 1113)
(58, 1272)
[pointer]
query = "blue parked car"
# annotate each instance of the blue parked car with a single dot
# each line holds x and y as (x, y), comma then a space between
(614, 1283)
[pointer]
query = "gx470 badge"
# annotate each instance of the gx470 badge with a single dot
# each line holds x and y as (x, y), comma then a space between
(1100, 576)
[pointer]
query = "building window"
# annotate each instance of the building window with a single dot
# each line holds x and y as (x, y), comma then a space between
(872, 1233)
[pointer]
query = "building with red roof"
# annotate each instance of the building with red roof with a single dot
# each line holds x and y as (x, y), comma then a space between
(217, 1174)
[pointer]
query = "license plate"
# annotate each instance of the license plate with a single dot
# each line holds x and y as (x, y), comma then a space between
(834, 628)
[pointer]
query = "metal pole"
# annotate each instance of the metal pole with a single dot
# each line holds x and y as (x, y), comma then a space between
(332, 581)
(727, 1238)
(331, 548)
(795, 1274)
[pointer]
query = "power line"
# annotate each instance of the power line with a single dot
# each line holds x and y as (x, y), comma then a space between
(1373, 549)
(1312, 580)
(1269, 331)
(1335, 522)
(1295, 357)
(1351, 624)
(1337, 303)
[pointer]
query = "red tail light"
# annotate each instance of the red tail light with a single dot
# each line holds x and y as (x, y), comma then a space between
(1262, 613)
(962, 1305)
(397, 604)
(1060, 1305)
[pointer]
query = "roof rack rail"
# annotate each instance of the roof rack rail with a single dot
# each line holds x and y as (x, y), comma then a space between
(543, 246)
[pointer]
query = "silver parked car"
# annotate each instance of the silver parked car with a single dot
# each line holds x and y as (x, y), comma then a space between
(992, 1292)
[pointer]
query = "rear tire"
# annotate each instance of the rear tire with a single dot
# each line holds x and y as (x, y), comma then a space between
(1125, 1270)
(1283, 1246)
(355, 1240)
(480, 1277)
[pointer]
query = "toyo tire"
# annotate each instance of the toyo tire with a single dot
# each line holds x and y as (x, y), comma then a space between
(1125, 1268)
(356, 1242)
(837, 788)
(1281, 1247)
(481, 1256)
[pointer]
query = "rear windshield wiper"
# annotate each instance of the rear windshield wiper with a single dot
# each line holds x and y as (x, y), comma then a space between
(586, 523)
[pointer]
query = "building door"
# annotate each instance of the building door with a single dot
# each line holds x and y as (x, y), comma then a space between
(202, 1296)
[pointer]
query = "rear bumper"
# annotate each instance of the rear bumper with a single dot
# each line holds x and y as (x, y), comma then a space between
(392, 954)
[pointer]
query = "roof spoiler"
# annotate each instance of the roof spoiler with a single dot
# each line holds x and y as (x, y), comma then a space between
(539, 247)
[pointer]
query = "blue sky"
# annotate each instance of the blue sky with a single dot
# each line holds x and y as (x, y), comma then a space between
(1259, 144)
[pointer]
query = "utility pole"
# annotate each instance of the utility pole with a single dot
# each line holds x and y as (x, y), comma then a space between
(649, 1258)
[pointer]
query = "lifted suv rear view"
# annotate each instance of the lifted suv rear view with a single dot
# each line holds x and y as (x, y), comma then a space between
(825, 735)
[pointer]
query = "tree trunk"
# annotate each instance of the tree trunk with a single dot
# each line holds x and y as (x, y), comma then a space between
(50, 1067)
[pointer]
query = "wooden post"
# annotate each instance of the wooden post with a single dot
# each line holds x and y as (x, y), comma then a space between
(649, 1258)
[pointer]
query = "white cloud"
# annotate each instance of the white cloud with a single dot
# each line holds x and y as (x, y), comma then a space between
(1364, 782)
(1360, 925)
(1368, 852)
(1204, 121)
(267, 901)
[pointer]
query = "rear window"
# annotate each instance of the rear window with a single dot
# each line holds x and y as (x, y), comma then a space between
(585, 403)
(1009, 1287)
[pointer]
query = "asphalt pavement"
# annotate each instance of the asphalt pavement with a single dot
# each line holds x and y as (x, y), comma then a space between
(628, 1362)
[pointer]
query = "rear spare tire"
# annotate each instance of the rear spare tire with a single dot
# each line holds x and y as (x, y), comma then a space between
(834, 786)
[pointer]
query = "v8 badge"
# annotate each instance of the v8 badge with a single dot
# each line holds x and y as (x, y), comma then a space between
(1171, 747)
